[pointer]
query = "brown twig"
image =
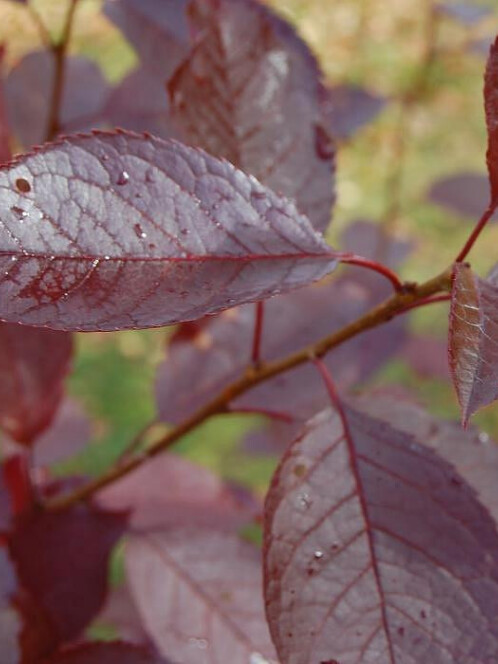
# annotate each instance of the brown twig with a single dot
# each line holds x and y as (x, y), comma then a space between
(256, 375)
(59, 52)
(45, 37)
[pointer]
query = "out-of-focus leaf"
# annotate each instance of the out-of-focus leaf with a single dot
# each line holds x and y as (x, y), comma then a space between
(117, 230)
(69, 433)
(376, 550)
(122, 615)
(463, 194)
(427, 356)
(370, 240)
(199, 593)
(348, 108)
(28, 91)
(9, 620)
(464, 12)
(62, 563)
(5, 152)
(249, 91)
(491, 108)
(194, 497)
(117, 652)
(33, 365)
(157, 30)
(473, 339)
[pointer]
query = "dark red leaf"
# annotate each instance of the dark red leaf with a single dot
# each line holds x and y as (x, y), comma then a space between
(473, 339)
(157, 30)
(9, 620)
(376, 550)
(463, 194)
(69, 433)
(199, 593)
(348, 108)
(249, 92)
(194, 496)
(117, 230)
(33, 365)
(116, 652)
(427, 356)
(491, 108)
(62, 564)
(29, 89)
(465, 12)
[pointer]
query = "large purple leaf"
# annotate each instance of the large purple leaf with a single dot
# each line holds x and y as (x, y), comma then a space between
(348, 108)
(9, 620)
(157, 29)
(121, 614)
(473, 339)
(117, 230)
(377, 551)
(194, 496)
(463, 194)
(427, 356)
(5, 152)
(491, 108)
(33, 365)
(62, 564)
(199, 593)
(29, 91)
(467, 13)
(196, 368)
(105, 653)
(249, 92)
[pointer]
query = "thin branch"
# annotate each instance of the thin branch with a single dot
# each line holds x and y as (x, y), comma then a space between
(59, 51)
(353, 259)
(45, 36)
(257, 375)
(136, 442)
(258, 333)
(477, 231)
(271, 414)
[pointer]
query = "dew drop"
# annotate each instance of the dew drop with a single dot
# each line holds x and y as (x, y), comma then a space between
(19, 212)
(195, 642)
(483, 438)
(107, 258)
(13, 259)
(123, 178)
(139, 231)
(304, 501)
(23, 185)
(318, 555)
(324, 145)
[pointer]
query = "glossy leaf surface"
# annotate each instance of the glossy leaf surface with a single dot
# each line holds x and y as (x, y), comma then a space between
(249, 92)
(473, 339)
(376, 551)
(199, 593)
(116, 230)
(33, 365)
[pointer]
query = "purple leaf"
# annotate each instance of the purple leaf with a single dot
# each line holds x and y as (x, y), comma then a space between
(376, 550)
(9, 620)
(195, 496)
(122, 615)
(116, 230)
(105, 653)
(249, 92)
(465, 12)
(473, 339)
(33, 366)
(28, 93)
(5, 152)
(199, 593)
(463, 194)
(348, 108)
(491, 108)
(157, 29)
(427, 356)
(65, 583)
(366, 238)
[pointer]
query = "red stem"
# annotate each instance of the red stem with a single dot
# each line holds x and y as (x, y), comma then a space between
(17, 477)
(477, 231)
(258, 333)
(272, 414)
(353, 259)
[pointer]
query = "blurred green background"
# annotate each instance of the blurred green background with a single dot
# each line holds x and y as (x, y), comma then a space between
(391, 47)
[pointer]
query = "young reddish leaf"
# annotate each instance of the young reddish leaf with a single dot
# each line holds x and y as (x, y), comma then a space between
(463, 194)
(465, 12)
(9, 620)
(199, 593)
(195, 496)
(116, 230)
(33, 365)
(117, 652)
(473, 339)
(157, 30)
(375, 550)
(28, 94)
(62, 563)
(491, 108)
(348, 108)
(249, 92)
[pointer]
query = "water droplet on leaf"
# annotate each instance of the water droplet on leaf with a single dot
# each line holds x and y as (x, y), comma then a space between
(123, 178)
(201, 644)
(139, 231)
(19, 212)
(318, 555)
